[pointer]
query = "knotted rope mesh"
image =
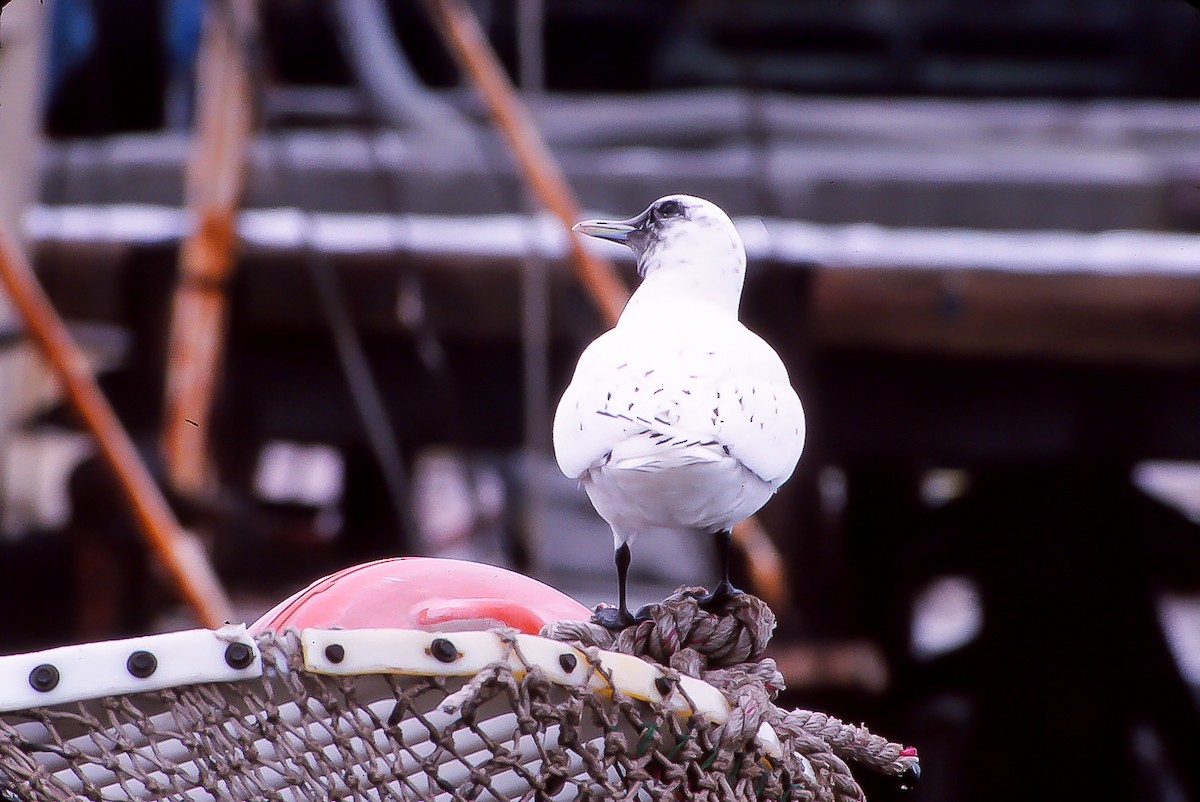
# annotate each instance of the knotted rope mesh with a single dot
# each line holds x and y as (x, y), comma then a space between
(726, 651)
(502, 734)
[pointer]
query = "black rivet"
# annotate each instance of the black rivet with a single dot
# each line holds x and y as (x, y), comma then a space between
(141, 664)
(43, 678)
(443, 650)
(664, 685)
(239, 655)
(335, 652)
(568, 662)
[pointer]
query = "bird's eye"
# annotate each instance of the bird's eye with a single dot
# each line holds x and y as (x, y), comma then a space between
(671, 208)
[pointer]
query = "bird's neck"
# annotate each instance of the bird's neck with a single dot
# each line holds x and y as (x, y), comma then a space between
(669, 284)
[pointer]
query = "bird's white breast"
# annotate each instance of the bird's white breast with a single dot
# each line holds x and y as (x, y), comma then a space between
(680, 417)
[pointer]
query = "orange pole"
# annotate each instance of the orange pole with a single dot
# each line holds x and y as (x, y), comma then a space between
(214, 182)
(178, 552)
(468, 43)
(461, 30)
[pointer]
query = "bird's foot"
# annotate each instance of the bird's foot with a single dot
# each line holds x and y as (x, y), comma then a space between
(617, 618)
(721, 595)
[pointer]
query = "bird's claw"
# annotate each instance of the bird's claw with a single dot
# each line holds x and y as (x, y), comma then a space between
(617, 618)
(613, 618)
(721, 595)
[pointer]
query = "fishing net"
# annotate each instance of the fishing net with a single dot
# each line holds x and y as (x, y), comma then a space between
(678, 707)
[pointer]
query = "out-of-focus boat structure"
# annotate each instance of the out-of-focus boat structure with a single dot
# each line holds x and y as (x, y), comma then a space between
(991, 308)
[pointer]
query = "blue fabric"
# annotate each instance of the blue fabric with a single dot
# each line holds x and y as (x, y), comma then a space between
(182, 22)
(72, 38)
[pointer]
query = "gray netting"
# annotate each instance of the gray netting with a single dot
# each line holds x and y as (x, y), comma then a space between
(294, 735)
(726, 651)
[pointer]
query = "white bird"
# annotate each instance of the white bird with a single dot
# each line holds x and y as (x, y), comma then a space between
(679, 418)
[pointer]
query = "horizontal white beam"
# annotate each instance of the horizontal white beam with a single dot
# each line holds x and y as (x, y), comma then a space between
(514, 237)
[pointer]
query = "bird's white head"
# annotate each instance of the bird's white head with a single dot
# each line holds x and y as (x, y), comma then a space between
(678, 232)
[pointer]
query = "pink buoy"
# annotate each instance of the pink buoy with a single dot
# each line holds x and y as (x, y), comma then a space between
(427, 593)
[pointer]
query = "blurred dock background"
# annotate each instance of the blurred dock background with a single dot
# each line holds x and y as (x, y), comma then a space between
(973, 232)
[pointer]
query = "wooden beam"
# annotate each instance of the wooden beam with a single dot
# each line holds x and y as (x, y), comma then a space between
(845, 664)
(1133, 318)
(469, 45)
(214, 182)
(178, 552)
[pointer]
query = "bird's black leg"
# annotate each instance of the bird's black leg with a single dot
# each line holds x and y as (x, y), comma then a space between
(724, 591)
(618, 617)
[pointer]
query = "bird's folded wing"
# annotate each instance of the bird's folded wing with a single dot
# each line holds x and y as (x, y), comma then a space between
(761, 423)
(679, 396)
(623, 390)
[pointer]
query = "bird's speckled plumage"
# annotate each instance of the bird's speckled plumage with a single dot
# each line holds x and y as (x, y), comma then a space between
(679, 418)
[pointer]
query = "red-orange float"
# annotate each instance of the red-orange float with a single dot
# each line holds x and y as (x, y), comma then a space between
(427, 593)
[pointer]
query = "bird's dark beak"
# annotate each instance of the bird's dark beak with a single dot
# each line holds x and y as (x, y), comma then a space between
(617, 231)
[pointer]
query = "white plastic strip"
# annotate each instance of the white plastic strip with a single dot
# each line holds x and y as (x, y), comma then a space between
(107, 668)
(768, 739)
(343, 652)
